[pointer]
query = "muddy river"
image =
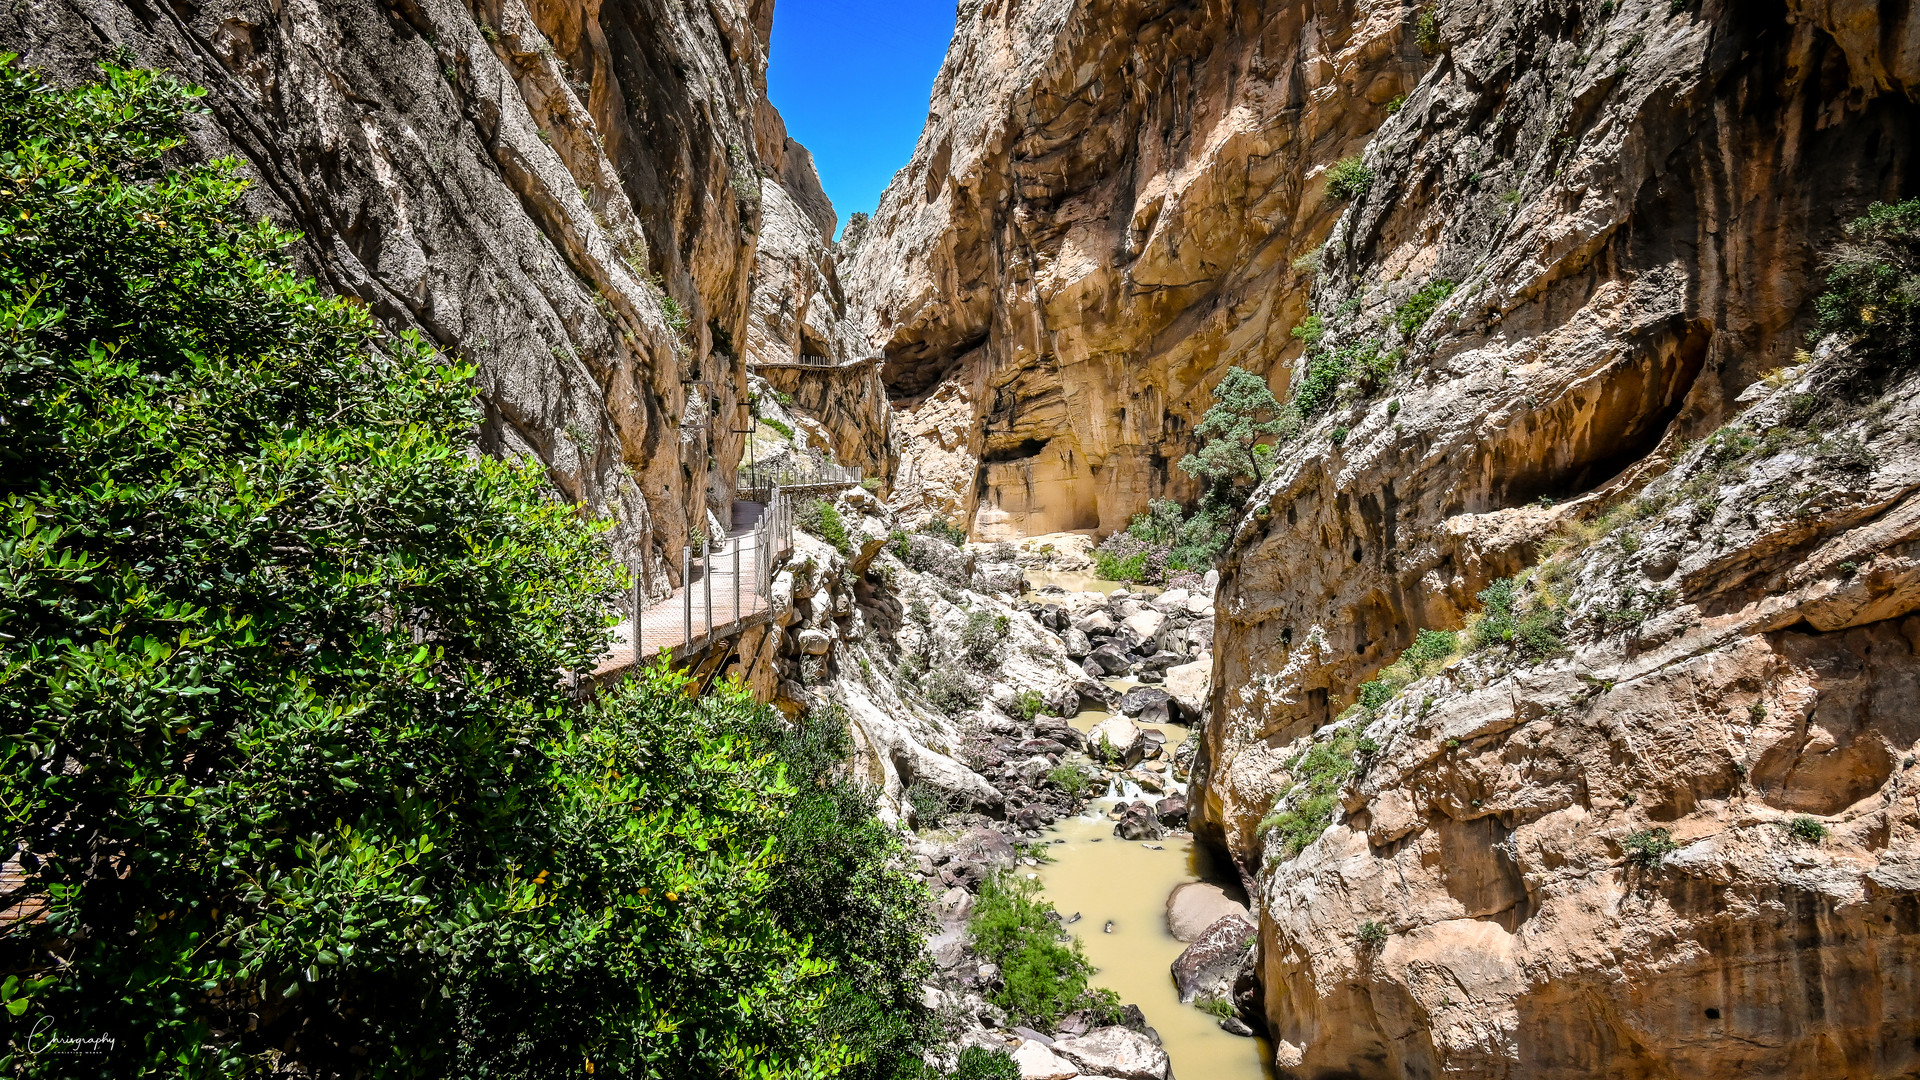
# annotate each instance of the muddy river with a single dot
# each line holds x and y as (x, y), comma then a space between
(1106, 880)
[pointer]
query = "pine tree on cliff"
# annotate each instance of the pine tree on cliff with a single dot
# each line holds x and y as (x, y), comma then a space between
(1236, 430)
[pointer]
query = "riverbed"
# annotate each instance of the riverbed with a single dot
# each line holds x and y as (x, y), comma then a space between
(1104, 879)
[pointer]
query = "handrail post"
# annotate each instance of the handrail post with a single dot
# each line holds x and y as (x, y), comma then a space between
(706, 586)
(639, 598)
(686, 599)
(736, 581)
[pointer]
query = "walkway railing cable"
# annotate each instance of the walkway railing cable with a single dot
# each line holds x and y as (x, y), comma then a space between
(755, 553)
(756, 481)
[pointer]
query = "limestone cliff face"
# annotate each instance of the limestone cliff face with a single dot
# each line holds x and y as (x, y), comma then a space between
(1102, 215)
(565, 193)
(1617, 212)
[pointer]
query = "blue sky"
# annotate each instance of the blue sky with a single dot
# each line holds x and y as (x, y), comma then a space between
(851, 77)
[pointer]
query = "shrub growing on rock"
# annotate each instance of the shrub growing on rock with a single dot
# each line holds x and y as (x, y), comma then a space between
(1647, 847)
(1348, 179)
(1873, 288)
(1238, 430)
(822, 519)
(1042, 977)
(1305, 808)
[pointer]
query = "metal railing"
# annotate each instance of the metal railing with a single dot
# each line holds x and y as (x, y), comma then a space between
(810, 476)
(752, 556)
(805, 361)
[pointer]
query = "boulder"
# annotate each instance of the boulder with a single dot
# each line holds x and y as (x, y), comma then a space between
(1190, 684)
(1171, 600)
(984, 846)
(1037, 1062)
(1159, 660)
(1172, 812)
(998, 578)
(1137, 822)
(813, 642)
(1046, 726)
(1210, 965)
(1077, 643)
(1053, 617)
(1093, 668)
(1144, 626)
(1147, 704)
(1117, 740)
(1194, 906)
(1099, 693)
(1115, 1052)
(1094, 622)
(1200, 606)
(1111, 660)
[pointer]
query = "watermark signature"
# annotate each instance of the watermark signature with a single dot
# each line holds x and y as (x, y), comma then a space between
(43, 1040)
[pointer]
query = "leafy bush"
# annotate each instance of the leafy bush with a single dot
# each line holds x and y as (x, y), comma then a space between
(822, 519)
(1348, 179)
(1647, 847)
(952, 534)
(1372, 935)
(1070, 779)
(1029, 705)
(980, 1063)
(1873, 288)
(928, 804)
(983, 637)
(1042, 977)
(1164, 541)
(1410, 316)
(1309, 801)
(785, 429)
(1529, 624)
(931, 555)
(282, 645)
(1429, 650)
(1426, 30)
(1806, 830)
(1214, 1005)
(949, 691)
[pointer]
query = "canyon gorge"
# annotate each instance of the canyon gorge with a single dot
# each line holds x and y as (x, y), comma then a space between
(1553, 703)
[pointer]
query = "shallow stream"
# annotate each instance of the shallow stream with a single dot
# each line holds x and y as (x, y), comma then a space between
(1104, 879)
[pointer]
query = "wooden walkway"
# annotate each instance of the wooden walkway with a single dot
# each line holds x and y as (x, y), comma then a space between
(724, 601)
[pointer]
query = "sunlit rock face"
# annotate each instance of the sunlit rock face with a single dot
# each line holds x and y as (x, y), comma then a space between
(564, 193)
(1113, 202)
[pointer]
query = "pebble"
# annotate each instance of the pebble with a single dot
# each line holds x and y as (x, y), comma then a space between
(1109, 927)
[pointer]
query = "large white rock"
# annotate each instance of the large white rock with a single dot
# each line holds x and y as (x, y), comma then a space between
(1094, 622)
(1039, 1063)
(1172, 600)
(1115, 1051)
(1193, 906)
(814, 642)
(1189, 684)
(1144, 625)
(1125, 737)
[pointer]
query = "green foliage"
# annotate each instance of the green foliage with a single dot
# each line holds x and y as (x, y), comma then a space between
(1531, 624)
(871, 483)
(1070, 779)
(1426, 30)
(1410, 316)
(950, 691)
(1873, 288)
(286, 747)
(1806, 830)
(822, 519)
(785, 429)
(928, 804)
(1348, 179)
(1245, 415)
(1372, 935)
(1214, 1005)
(980, 1063)
(1305, 809)
(1164, 540)
(1430, 649)
(952, 534)
(1042, 977)
(1028, 705)
(983, 637)
(1647, 847)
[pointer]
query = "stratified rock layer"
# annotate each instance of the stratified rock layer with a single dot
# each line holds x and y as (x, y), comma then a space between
(1616, 212)
(564, 193)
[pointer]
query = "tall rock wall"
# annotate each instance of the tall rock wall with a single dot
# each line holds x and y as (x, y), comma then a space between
(565, 193)
(1666, 825)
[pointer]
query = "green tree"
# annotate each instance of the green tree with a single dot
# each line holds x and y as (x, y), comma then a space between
(1873, 288)
(288, 762)
(1245, 414)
